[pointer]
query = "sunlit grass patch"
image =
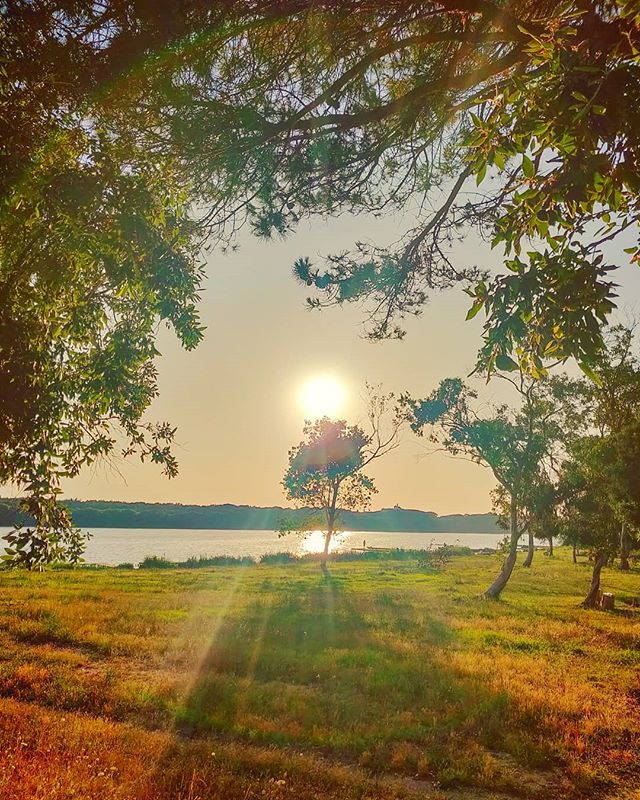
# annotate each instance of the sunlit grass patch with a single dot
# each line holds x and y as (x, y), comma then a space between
(392, 670)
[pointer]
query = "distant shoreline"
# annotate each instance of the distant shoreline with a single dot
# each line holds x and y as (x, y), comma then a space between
(227, 516)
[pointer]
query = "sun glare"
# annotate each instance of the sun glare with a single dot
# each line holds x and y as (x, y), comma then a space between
(322, 396)
(313, 542)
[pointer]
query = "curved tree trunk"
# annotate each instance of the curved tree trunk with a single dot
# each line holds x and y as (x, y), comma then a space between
(574, 554)
(551, 545)
(625, 548)
(530, 551)
(494, 591)
(591, 600)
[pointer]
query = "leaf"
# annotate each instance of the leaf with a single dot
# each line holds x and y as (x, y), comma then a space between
(590, 373)
(481, 173)
(506, 363)
(528, 167)
(471, 313)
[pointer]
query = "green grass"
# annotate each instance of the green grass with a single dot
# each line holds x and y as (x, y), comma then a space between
(385, 680)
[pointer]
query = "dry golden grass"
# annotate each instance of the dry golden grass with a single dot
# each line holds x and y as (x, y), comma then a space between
(269, 682)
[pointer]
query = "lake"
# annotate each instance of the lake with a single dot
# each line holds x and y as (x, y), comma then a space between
(117, 545)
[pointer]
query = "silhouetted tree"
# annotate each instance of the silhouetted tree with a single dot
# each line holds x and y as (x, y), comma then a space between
(326, 469)
(513, 444)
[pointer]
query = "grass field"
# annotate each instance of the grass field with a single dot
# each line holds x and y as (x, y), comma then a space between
(386, 680)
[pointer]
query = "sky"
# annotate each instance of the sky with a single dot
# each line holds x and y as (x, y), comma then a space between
(235, 399)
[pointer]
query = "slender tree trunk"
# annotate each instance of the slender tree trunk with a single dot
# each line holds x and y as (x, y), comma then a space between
(551, 545)
(574, 554)
(493, 592)
(591, 600)
(625, 548)
(331, 521)
(327, 541)
(530, 551)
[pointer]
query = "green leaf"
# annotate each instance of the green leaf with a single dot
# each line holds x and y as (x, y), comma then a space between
(471, 313)
(590, 373)
(528, 167)
(505, 363)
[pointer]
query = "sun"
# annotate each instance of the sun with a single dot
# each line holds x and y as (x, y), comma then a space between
(322, 396)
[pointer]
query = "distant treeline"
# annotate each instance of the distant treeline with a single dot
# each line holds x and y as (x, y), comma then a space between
(111, 514)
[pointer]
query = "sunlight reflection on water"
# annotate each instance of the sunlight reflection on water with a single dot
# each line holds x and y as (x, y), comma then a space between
(313, 542)
(117, 545)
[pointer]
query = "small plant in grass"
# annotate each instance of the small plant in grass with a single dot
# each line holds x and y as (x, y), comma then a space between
(439, 557)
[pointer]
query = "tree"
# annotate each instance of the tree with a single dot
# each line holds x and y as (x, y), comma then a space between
(326, 469)
(326, 107)
(513, 444)
(96, 249)
(537, 512)
(120, 118)
(607, 409)
(600, 493)
(622, 457)
(587, 516)
(281, 111)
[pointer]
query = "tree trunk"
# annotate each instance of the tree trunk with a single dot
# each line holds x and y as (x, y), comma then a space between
(625, 548)
(551, 545)
(325, 553)
(591, 600)
(574, 554)
(530, 551)
(327, 540)
(493, 592)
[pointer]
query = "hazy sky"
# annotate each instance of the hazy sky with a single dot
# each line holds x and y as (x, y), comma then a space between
(235, 398)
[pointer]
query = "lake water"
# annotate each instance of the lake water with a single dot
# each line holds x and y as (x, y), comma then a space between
(117, 545)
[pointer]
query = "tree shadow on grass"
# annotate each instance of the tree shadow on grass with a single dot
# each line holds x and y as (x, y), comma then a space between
(317, 668)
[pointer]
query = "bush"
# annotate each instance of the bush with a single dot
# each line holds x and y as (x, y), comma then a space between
(439, 557)
(156, 562)
(194, 562)
(216, 561)
(279, 558)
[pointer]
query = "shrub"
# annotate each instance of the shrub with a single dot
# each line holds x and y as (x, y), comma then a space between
(279, 558)
(156, 562)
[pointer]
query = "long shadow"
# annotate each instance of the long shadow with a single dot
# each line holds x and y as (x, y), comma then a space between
(314, 666)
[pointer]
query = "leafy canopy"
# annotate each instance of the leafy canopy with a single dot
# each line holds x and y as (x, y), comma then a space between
(325, 468)
(517, 120)
(120, 119)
